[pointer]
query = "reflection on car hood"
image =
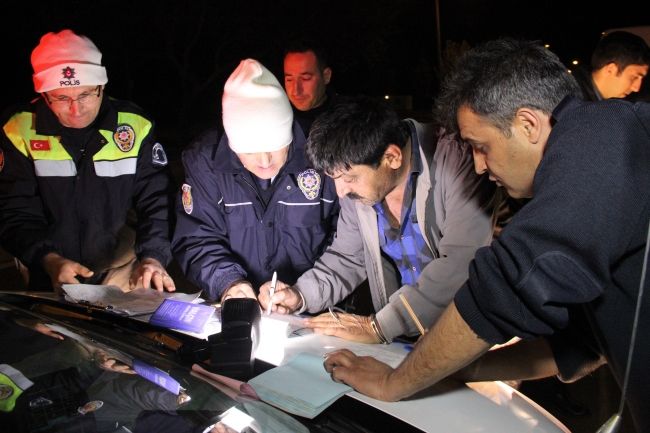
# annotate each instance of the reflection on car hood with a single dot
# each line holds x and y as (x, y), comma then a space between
(66, 369)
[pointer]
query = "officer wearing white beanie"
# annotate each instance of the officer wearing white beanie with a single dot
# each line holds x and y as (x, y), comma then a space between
(257, 118)
(257, 115)
(252, 204)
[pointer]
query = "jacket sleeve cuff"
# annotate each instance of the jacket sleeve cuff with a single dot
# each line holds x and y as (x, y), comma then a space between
(162, 258)
(223, 280)
(313, 295)
(40, 253)
(390, 323)
(304, 304)
(472, 315)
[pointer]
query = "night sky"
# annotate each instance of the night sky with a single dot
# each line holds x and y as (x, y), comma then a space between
(172, 57)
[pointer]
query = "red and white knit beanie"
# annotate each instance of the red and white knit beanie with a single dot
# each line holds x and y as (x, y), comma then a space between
(65, 60)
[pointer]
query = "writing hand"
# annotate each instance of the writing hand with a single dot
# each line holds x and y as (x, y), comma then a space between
(285, 300)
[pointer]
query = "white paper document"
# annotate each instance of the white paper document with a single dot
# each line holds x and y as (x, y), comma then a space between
(377, 352)
(135, 302)
(279, 325)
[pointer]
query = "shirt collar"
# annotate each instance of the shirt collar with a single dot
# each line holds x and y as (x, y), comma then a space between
(596, 91)
(567, 104)
(416, 159)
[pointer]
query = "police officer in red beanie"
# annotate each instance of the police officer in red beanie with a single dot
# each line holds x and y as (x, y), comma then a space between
(85, 189)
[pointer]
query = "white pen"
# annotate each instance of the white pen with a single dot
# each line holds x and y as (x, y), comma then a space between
(271, 292)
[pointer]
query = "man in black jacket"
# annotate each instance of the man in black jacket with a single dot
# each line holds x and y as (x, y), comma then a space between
(306, 77)
(567, 267)
(85, 190)
(618, 66)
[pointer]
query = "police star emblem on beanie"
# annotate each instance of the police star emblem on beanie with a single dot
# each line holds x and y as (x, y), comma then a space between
(257, 115)
(64, 60)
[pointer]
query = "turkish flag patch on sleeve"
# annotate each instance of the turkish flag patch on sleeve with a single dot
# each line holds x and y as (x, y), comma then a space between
(39, 144)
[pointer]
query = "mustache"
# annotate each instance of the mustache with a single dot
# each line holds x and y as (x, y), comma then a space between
(354, 196)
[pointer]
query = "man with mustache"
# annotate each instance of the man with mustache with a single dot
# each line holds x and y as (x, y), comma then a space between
(413, 213)
(565, 274)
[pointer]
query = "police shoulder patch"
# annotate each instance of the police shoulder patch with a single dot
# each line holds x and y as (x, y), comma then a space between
(188, 203)
(124, 137)
(158, 155)
(5, 391)
(309, 183)
(2, 159)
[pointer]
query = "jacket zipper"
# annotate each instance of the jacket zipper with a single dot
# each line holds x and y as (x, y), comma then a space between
(255, 191)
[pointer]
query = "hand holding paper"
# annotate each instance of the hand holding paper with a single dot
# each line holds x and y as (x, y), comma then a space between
(63, 271)
(365, 374)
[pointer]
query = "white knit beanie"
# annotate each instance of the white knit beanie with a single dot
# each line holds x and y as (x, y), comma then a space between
(65, 60)
(257, 115)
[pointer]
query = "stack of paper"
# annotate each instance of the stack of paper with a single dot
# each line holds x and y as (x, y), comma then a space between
(301, 387)
(279, 325)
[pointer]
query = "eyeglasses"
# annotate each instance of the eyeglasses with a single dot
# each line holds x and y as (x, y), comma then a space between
(84, 98)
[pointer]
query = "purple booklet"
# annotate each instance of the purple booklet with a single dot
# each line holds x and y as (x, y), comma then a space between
(156, 376)
(182, 315)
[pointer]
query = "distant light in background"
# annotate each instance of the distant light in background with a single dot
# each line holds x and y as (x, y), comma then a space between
(569, 70)
(575, 62)
(386, 97)
(547, 46)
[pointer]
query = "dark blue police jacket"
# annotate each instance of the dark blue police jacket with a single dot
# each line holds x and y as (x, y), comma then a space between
(224, 233)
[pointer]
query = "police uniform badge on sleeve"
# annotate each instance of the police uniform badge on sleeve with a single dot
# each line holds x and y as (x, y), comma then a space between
(2, 159)
(124, 137)
(158, 155)
(188, 203)
(309, 183)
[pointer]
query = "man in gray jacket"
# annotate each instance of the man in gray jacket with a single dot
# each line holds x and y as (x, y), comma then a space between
(413, 213)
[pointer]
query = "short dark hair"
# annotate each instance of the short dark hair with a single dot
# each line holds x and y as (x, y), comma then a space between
(356, 131)
(496, 79)
(306, 45)
(623, 49)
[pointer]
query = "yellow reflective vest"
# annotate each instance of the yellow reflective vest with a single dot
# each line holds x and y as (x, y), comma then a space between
(54, 196)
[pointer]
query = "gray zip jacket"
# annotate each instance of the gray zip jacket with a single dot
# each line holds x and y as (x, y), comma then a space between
(456, 211)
